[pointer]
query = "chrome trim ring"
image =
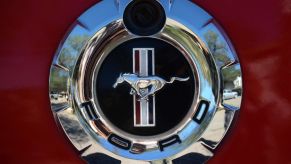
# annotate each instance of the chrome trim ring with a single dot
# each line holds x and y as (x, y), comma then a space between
(196, 35)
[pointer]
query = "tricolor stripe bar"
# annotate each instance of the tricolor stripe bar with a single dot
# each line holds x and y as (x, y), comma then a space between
(143, 65)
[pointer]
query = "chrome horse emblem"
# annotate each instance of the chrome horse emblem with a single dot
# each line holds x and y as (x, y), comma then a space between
(140, 84)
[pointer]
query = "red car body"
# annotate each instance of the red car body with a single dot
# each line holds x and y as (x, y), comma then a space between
(31, 31)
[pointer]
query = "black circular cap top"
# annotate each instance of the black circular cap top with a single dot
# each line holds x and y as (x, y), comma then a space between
(172, 102)
(144, 17)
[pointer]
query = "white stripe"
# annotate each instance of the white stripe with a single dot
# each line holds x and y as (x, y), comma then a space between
(144, 109)
(143, 71)
(143, 60)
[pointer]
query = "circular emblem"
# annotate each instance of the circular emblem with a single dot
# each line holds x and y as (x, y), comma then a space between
(143, 81)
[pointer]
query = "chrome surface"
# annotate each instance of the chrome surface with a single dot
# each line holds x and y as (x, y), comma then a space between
(195, 34)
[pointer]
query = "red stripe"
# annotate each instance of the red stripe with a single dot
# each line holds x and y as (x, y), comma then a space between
(137, 103)
(137, 112)
(136, 67)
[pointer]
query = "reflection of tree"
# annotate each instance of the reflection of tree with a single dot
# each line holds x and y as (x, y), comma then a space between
(77, 42)
(71, 49)
(217, 47)
(67, 58)
(230, 74)
(58, 82)
(220, 52)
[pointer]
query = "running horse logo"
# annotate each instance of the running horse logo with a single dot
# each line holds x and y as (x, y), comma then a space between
(139, 85)
(144, 85)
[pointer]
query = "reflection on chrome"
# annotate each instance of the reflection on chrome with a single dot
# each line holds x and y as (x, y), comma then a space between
(229, 94)
(59, 82)
(232, 81)
(70, 123)
(218, 45)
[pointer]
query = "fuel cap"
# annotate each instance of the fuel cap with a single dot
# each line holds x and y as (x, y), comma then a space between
(145, 81)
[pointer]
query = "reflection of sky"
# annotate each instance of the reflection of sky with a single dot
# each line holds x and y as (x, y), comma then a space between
(78, 31)
(237, 67)
(206, 90)
(92, 17)
(191, 128)
(188, 14)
